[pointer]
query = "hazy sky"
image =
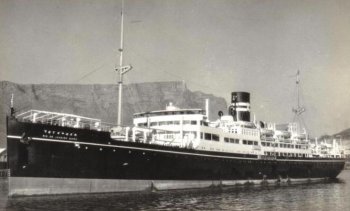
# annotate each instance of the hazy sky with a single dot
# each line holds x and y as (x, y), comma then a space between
(215, 46)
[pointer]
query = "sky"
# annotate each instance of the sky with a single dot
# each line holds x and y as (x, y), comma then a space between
(214, 46)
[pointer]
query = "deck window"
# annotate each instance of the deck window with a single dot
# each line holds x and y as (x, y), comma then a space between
(234, 140)
(142, 124)
(215, 137)
(190, 133)
(204, 123)
(207, 136)
(231, 140)
(211, 137)
(186, 122)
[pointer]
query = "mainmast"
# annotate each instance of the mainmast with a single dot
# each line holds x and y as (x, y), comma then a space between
(121, 69)
(299, 109)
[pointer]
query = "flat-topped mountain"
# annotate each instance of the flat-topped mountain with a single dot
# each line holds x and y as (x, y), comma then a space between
(100, 100)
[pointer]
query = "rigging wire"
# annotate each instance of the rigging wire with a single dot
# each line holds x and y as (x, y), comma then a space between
(89, 73)
(152, 63)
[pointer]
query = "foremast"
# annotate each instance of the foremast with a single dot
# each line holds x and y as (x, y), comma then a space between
(121, 69)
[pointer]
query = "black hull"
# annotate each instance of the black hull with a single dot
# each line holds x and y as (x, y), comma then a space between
(33, 152)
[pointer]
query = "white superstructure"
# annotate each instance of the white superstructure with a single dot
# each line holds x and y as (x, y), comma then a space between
(190, 128)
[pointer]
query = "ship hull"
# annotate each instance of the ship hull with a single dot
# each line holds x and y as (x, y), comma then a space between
(48, 159)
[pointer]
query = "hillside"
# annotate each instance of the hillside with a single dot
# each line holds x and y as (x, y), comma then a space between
(100, 101)
(345, 134)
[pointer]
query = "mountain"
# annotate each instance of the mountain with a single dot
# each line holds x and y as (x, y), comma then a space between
(345, 134)
(100, 100)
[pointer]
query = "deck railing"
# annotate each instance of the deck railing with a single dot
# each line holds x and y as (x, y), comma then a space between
(63, 119)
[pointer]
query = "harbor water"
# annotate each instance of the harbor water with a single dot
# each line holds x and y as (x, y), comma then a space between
(333, 195)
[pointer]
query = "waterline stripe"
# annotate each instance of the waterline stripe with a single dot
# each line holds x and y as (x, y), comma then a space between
(166, 151)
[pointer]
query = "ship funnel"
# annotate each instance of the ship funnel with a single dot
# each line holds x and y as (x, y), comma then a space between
(12, 109)
(240, 106)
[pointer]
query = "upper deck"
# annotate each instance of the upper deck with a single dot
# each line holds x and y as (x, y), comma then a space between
(169, 112)
(63, 119)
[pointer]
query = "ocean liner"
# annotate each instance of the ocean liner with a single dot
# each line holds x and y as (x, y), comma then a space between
(174, 148)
